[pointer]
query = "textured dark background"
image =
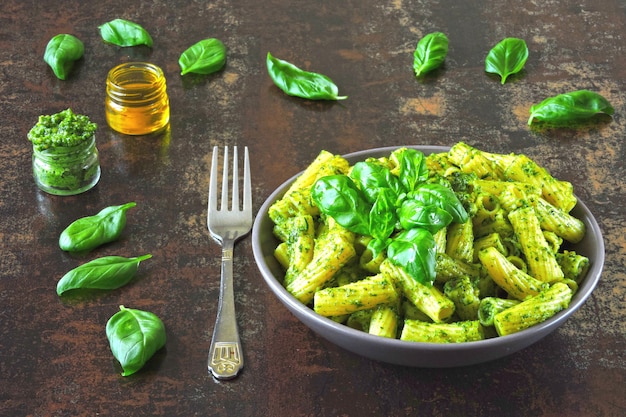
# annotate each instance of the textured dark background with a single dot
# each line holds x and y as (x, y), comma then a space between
(54, 356)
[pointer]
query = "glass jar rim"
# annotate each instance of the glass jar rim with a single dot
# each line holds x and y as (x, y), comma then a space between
(134, 68)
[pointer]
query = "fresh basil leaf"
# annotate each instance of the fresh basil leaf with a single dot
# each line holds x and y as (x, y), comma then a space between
(377, 246)
(430, 53)
(89, 232)
(62, 51)
(414, 213)
(371, 176)
(443, 197)
(106, 273)
(412, 167)
(299, 83)
(204, 57)
(570, 107)
(414, 251)
(339, 197)
(383, 217)
(134, 337)
(122, 32)
(507, 57)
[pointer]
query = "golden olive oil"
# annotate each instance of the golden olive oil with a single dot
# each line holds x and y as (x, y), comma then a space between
(136, 99)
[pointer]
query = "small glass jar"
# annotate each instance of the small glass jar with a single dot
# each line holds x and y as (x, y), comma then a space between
(136, 99)
(67, 170)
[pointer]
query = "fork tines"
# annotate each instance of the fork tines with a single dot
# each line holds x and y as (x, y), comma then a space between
(235, 196)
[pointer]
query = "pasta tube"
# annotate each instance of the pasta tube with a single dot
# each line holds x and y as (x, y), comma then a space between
(516, 283)
(465, 297)
(427, 299)
(511, 195)
(457, 332)
(441, 240)
(301, 242)
(324, 164)
(281, 253)
(498, 224)
(334, 253)
(460, 241)
(409, 311)
(361, 295)
(296, 203)
(573, 265)
(384, 322)
(561, 223)
(558, 193)
(533, 310)
(540, 259)
(490, 306)
(471, 160)
(487, 207)
(360, 320)
(448, 268)
(492, 239)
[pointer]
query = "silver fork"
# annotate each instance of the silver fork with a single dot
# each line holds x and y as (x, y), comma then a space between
(226, 226)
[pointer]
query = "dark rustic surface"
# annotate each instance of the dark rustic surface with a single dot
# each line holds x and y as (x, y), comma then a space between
(54, 356)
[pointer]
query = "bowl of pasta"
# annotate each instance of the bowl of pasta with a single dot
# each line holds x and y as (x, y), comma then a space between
(428, 256)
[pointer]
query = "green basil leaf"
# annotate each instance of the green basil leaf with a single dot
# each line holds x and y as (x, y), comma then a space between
(106, 273)
(507, 57)
(570, 107)
(414, 251)
(412, 167)
(134, 337)
(61, 53)
(371, 176)
(204, 57)
(383, 217)
(122, 32)
(430, 53)
(414, 214)
(89, 232)
(443, 197)
(377, 246)
(299, 83)
(339, 197)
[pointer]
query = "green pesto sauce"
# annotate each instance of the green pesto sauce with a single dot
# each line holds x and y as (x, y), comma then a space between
(63, 129)
(65, 159)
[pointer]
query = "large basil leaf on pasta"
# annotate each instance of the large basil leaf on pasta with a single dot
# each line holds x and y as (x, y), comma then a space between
(338, 197)
(414, 251)
(412, 169)
(443, 197)
(383, 216)
(371, 176)
(134, 337)
(413, 214)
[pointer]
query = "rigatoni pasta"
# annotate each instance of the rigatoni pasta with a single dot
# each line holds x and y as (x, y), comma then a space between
(499, 272)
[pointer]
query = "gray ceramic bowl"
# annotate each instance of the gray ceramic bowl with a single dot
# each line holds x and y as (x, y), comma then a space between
(428, 355)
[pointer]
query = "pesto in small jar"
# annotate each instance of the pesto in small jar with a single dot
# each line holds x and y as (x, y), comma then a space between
(65, 157)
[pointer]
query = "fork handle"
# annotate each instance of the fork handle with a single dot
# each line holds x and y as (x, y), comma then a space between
(225, 353)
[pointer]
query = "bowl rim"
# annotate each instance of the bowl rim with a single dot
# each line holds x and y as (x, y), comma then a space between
(535, 332)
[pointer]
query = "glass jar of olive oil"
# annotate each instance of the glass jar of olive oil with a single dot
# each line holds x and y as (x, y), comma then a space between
(136, 99)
